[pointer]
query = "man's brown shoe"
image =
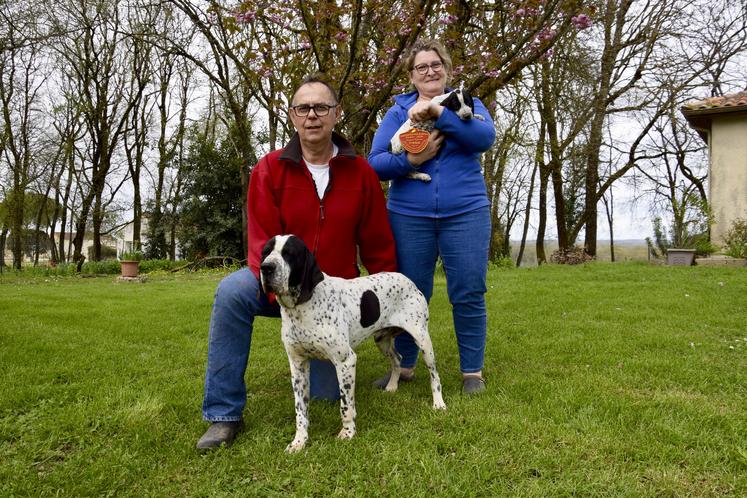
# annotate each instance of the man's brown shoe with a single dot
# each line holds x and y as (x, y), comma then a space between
(220, 434)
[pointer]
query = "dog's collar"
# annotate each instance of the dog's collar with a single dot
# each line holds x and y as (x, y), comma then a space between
(292, 151)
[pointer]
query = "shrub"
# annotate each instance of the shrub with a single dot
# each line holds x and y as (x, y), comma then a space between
(503, 263)
(104, 267)
(573, 256)
(151, 265)
(736, 239)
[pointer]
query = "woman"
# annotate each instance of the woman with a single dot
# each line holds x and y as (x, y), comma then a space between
(448, 216)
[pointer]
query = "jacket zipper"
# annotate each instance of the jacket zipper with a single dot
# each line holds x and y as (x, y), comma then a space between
(320, 221)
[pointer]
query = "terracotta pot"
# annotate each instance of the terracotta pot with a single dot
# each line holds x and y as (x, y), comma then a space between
(129, 268)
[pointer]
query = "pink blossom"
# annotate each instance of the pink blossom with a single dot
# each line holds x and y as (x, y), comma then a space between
(520, 12)
(305, 45)
(547, 34)
(341, 36)
(450, 19)
(245, 17)
(547, 54)
(581, 21)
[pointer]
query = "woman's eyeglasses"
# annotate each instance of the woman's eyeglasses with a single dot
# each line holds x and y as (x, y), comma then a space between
(434, 66)
(319, 109)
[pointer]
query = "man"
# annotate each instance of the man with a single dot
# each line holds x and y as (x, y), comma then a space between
(319, 189)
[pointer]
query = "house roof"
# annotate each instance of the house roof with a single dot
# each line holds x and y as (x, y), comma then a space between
(699, 113)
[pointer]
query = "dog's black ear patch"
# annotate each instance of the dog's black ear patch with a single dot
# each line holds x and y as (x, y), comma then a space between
(468, 101)
(370, 308)
(452, 102)
(304, 272)
(267, 249)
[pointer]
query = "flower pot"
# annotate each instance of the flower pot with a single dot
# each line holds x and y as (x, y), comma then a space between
(680, 257)
(129, 269)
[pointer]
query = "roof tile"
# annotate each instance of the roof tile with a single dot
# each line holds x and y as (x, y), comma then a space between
(723, 102)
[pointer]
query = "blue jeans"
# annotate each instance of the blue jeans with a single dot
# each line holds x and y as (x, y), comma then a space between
(237, 301)
(462, 242)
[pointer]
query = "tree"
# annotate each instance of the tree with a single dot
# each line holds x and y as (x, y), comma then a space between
(21, 80)
(98, 54)
(209, 217)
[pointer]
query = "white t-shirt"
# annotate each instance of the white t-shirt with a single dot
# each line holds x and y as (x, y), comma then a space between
(320, 173)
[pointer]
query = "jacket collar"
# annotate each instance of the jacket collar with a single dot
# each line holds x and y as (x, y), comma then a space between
(292, 151)
(408, 99)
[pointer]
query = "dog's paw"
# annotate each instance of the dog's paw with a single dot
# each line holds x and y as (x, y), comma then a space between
(346, 433)
(439, 405)
(295, 446)
(396, 147)
(423, 177)
(480, 117)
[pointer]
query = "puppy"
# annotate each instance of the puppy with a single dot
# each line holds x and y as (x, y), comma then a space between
(459, 101)
(327, 317)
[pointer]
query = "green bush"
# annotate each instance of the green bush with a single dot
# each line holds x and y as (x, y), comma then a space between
(503, 263)
(104, 267)
(736, 239)
(151, 265)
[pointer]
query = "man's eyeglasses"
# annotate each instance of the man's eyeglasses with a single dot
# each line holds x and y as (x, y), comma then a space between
(434, 66)
(319, 109)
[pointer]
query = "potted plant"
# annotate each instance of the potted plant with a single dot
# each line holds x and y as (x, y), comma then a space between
(684, 244)
(129, 264)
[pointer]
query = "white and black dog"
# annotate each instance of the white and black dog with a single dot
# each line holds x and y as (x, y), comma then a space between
(327, 317)
(459, 101)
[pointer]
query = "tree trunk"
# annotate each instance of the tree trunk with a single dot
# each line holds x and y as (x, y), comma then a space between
(3, 238)
(527, 213)
(541, 227)
(16, 224)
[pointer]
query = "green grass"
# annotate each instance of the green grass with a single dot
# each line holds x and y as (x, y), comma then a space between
(622, 380)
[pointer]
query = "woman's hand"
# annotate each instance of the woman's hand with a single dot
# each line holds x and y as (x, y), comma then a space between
(424, 110)
(430, 151)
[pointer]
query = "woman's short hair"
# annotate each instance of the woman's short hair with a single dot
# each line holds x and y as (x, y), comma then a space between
(426, 45)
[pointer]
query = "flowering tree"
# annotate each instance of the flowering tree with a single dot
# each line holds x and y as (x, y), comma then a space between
(256, 53)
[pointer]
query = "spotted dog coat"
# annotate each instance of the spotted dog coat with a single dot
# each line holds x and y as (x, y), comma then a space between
(328, 317)
(458, 101)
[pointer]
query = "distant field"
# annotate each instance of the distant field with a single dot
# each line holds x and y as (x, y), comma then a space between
(625, 250)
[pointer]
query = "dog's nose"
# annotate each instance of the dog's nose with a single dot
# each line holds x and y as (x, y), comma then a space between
(267, 268)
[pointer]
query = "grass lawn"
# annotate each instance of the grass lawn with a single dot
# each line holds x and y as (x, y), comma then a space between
(603, 379)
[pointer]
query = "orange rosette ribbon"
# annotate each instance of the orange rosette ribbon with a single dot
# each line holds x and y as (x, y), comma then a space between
(414, 140)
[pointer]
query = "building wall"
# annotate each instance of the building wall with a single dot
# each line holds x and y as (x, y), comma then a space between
(728, 175)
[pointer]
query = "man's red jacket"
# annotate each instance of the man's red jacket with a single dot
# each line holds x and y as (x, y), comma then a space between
(352, 214)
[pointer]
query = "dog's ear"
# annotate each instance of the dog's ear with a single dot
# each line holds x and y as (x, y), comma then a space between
(468, 101)
(452, 102)
(305, 273)
(267, 249)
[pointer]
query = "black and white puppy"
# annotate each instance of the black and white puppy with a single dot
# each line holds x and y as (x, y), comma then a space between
(459, 101)
(328, 317)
